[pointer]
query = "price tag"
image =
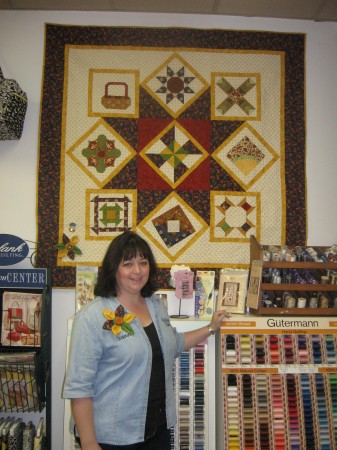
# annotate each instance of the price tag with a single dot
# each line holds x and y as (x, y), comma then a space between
(184, 284)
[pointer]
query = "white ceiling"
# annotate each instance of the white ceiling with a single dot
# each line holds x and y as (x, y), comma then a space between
(316, 10)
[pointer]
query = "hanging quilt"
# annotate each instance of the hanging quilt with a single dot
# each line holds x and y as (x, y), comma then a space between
(195, 139)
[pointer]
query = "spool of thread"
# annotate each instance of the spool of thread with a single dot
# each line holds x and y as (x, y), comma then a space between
(290, 256)
(301, 302)
(323, 301)
(313, 302)
(266, 255)
(285, 296)
(333, 277)
(265, 299)
(290, 302)
(324, 279)
(275, 256)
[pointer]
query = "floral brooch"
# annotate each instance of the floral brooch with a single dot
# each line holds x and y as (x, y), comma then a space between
(118, 321)
(68, 247)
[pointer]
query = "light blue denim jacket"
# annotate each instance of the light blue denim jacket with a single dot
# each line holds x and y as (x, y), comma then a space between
(115, 370)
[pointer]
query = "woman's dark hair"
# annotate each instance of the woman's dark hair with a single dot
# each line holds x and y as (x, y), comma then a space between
(124, 247)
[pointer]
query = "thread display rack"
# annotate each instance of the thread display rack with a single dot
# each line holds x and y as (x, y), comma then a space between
(304, 290)
(278, 383)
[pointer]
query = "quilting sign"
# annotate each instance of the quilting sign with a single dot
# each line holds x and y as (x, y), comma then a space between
(193, 138)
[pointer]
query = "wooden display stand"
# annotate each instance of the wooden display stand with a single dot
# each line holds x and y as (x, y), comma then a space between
(257, 254)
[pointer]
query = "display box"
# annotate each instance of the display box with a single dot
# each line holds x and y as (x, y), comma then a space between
(233, 290)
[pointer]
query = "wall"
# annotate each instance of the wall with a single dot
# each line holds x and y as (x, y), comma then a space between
(21, 58)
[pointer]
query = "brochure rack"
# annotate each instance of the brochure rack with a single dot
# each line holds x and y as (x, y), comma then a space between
(25, 349)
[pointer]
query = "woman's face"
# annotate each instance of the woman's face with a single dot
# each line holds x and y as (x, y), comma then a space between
(132, 275)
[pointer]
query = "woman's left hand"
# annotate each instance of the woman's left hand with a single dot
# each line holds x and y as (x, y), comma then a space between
(194, 337)
(217, 318)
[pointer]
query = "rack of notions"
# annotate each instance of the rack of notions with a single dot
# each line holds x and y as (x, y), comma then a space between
(279, 391)
(190, 383)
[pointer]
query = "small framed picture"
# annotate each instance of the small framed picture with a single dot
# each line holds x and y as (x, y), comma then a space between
(233, 290)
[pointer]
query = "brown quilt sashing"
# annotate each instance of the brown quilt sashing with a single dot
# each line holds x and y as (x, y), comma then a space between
(195, 138)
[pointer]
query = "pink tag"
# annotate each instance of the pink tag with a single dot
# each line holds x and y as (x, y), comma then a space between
(184, 284)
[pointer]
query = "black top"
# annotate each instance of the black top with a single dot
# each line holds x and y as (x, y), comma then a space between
(156, 414)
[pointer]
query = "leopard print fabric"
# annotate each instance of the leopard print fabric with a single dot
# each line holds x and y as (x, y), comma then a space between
(13, 106)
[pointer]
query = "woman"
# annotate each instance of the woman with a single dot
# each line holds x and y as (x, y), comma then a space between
(123, 347)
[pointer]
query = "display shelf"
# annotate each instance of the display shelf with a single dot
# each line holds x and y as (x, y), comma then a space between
(25, 350)
(277, 387)
(315, 269)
